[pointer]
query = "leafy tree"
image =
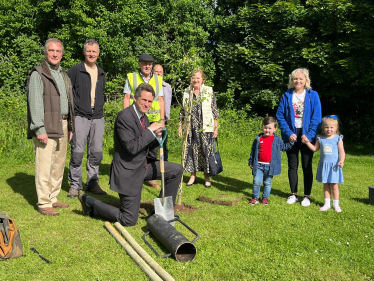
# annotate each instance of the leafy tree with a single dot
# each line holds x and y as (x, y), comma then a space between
(172, 32)
(261, 42)
(246, 48)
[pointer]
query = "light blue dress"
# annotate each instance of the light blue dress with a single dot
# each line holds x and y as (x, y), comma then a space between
(328, 169)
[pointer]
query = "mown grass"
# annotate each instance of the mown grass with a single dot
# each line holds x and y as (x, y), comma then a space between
(242, 242)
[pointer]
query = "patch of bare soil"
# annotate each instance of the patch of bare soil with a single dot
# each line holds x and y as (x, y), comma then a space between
(221, 202)
(184, 208)
(147, 207)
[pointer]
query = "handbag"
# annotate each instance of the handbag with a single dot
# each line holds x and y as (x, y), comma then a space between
(215, 162)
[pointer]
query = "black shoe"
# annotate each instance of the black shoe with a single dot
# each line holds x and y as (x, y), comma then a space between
(96, 190)
(85, 209)
(189, 184)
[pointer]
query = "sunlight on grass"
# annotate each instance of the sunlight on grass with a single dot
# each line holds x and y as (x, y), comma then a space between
(240, 242)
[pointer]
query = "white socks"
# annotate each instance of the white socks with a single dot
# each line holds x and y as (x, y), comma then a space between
(327, 202)
(335, 203)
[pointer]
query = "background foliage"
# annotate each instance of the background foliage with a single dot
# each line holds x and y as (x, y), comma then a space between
(246, 48)
(261, 42)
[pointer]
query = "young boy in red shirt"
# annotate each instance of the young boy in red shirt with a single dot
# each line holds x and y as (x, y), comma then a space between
(265, 159)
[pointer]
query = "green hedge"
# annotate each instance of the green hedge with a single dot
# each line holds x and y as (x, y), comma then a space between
(234, 129)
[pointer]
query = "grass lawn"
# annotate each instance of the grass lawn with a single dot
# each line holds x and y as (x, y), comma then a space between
(240, 242)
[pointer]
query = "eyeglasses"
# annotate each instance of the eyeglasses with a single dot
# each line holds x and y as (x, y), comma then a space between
(332, 116)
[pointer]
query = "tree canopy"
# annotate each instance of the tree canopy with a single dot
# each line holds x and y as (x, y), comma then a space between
(247, 49)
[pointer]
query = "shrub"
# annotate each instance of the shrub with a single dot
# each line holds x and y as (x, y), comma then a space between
(111, 110)
(14, 146)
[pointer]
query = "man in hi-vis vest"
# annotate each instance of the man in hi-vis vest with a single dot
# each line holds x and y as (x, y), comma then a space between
(145, 75)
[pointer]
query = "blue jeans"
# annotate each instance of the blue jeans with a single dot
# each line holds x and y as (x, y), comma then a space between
(262, 175)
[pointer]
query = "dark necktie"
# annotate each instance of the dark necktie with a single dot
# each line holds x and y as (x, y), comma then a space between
(143, 126)
(143, 122)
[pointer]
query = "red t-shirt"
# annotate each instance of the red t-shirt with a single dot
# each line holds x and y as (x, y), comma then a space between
(264, 153)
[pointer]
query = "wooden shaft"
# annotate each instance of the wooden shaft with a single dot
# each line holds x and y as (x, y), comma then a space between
(130, 251)
(152, 263)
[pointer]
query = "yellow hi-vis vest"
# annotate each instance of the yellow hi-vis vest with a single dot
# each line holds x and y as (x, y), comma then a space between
(206, 106)
(135, 80)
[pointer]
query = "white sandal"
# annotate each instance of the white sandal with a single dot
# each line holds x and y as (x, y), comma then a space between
(324, 208)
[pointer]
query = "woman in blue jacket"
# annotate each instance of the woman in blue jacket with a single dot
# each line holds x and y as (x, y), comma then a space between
(299, 113)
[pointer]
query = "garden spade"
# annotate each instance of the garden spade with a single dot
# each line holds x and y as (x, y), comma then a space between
(163, 206)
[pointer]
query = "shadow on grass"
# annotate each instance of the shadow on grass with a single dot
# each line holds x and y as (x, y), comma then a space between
(280, 193)
(234, 185)
(65, 183)
(104, 169)
(155, 244)
(362, 200)
(24, 184)
(223, 183)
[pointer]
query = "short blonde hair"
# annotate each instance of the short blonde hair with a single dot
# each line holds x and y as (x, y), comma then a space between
(305, 72)
(196, 71)
(333, 118)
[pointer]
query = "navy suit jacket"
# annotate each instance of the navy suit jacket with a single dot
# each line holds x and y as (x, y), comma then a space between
(132, 146)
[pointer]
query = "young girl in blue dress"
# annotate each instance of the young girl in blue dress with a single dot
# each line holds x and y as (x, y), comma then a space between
(331, 160)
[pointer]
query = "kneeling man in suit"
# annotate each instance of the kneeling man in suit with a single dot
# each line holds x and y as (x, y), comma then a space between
(134, 140)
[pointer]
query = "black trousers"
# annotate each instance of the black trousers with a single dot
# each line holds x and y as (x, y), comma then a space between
(128, 213)
(306, 164)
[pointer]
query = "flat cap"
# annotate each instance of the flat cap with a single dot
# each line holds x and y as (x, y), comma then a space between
(146, 57)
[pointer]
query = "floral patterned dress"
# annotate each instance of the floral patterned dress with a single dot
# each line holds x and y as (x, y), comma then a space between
(199, 143)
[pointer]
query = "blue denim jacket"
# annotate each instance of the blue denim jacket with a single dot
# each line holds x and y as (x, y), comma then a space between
(275, 160)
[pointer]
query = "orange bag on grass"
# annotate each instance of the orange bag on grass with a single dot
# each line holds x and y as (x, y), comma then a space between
(10, 240)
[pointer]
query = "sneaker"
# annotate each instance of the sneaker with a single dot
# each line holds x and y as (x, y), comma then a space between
(337, 209)
(72, 193)
(324, 208)
(96, 190)
(254, 201)
(305, 202)
(292, 199)
(265, 201)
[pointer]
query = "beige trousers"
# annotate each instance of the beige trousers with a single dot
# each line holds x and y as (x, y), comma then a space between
(49, 167)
